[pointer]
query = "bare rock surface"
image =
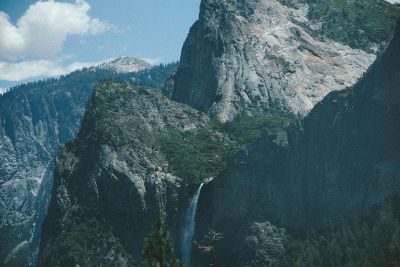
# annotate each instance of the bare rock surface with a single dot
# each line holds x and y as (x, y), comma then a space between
(242, 53)
(125, 65)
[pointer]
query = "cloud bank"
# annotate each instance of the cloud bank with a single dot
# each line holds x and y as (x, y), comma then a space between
(44, 27)
(38, 68)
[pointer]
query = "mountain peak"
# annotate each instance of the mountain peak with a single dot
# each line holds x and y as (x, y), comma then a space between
(126, 64)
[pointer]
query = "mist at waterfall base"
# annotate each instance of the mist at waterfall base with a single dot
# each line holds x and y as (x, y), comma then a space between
(189, 226)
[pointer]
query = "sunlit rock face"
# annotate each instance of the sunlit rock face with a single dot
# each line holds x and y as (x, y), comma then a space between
(125, 65)
(393, 1)
(265, 53)
(35, 120)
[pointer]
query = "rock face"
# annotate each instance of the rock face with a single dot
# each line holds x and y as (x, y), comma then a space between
(341, 159)
(35, 119)
(263, 245)
(266, 53)
(117, 176)
(125, 65)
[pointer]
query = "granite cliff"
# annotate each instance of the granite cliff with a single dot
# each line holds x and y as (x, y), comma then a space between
(35, 119)
(123, 170)
(341, 160)
(285, 55)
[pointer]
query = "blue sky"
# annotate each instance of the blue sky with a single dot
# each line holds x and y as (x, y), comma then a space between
(36, 44)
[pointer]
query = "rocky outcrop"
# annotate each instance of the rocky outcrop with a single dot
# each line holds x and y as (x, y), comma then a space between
(341, 159)
(117, 176)
(263, 245)
(270, 54)
(35, 118)
(125, 65)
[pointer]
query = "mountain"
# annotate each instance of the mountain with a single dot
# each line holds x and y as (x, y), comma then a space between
(125, 65)
(341, 161)
(273, 177)
(137, 154)
(35, 119)
(281, 54)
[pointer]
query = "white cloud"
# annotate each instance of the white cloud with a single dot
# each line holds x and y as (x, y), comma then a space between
(44, 27)
(394, 1)
(38, 68)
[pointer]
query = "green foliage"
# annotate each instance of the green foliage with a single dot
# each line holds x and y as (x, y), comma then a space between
(111, 107)
(196, 156)
(255, 123)
(86, 243)
(9, 238)
(154, 77)
(357, 23)
(357, 243)
(203, 154)
(157, 249)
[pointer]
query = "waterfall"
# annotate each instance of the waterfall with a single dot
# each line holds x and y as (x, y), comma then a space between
(188, 230)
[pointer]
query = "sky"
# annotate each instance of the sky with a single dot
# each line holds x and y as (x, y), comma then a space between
(53, 37)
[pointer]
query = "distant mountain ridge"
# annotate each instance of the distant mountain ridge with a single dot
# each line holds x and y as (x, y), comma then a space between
(125, 64)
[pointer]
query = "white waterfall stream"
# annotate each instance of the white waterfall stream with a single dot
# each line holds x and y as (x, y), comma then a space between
(189, 226)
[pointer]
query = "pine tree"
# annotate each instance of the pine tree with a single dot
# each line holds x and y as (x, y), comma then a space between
(157, 250)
